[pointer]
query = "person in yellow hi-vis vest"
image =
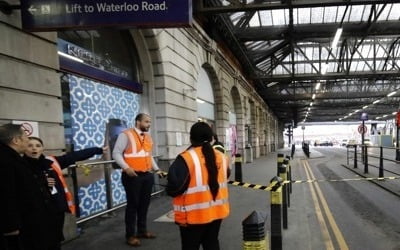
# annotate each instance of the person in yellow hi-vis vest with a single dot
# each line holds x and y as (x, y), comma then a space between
(197, 180)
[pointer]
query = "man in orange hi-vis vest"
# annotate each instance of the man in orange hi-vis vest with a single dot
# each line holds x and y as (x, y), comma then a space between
(132, 152)
(197, 180)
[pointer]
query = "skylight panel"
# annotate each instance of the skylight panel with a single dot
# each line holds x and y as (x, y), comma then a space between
(330, 14)
(255, 21)
(308, 68)
(380, 52)
(365, 50)
(380, 64)
(266, 18)
(356, 13)
(385, 12)
(278, 17)
(394, 12)
(235, 17)
(367, 11)
(304, 15)
(317, 15)
(340, 13)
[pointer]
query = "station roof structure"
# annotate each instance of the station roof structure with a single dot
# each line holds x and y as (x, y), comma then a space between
(288, 51)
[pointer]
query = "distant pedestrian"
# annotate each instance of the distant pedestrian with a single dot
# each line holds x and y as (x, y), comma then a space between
(132, 152)
(27, 214)
(197, 180)
(51, 168)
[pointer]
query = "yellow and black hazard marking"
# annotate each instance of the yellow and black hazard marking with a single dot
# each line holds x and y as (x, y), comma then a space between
(253, 186)
(341, 180)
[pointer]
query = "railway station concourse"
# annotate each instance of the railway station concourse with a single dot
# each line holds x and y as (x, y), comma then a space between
(253, 69)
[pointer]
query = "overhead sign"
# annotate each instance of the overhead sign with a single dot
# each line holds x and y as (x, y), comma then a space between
(29, 127)
(50, 15)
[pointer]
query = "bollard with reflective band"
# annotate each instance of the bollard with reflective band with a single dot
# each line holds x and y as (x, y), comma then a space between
(289, 176)
(282, 170)
(238, 167)
(276, 215)
(254, 236)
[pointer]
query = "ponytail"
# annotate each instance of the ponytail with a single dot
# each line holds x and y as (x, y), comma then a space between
(212, 169)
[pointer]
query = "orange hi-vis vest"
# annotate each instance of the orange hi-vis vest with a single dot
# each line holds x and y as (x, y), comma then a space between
(138, 153)
(68, 195)
(196, 205)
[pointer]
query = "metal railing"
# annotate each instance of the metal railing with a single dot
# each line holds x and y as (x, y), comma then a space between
(362, 153)
(107, 168)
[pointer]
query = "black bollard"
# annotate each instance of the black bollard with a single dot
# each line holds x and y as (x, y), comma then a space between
(254, 236)
(282, 169)
(238, 167)
(276, 214)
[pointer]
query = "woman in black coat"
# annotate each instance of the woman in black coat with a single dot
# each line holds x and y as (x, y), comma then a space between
(34, 155)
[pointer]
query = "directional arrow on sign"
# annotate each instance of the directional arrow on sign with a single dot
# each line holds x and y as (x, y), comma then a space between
(32, 10)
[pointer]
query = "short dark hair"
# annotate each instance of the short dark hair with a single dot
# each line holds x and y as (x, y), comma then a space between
(37, 139)
(9, 131)
(140, 116)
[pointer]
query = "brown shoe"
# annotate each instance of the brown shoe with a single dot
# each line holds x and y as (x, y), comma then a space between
(147, 235)
(133, 241)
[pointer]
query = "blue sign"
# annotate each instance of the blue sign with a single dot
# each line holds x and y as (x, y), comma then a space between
(364, 116)
(51, 15)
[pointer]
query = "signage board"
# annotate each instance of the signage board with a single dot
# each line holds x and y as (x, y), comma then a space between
(31, 128)
(364, 116)
(50, 15)
(362, 129)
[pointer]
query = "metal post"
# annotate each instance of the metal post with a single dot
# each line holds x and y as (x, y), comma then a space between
(397, 144)
(348, 160)
(76, 196)
(362, 140)
(366, 160)
(381, 163)
(107, 181)
(355, 156)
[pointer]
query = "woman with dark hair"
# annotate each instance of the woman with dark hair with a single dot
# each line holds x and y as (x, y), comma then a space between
(51, 168)
(197, 180)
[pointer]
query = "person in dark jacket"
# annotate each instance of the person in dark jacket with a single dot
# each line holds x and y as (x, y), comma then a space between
(43, 165)
(26, 214)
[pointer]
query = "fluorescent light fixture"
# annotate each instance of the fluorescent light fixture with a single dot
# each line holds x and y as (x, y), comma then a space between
(70, 57)
(394, 113)
(366, 106)
(384, 116)
(336, 38)
(309, 109)
(375, 102)
(199, 100)
(311, 103)
(317, 86)
(392, 93)
(355, 111)
(271, 84)
(340, 119)
(345, 117)
(378, 117)
(324, 68)
(313, 96)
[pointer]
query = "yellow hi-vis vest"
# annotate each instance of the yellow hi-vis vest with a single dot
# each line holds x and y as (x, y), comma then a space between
(138, 153)
(196, 205)
(68, 195)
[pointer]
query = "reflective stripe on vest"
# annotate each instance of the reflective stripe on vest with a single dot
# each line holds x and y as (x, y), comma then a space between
(196, 205)
(138, 153)
(68, 195)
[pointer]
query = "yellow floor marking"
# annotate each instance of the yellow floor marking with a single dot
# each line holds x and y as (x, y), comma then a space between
(338, 234)
(325, 233)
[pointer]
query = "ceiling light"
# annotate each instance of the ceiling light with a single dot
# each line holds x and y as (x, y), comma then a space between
(336, 38)
(309, 109)
(355, 111)
(394, 113)
(271, 84)
(375, 102)
(366, 106)
(70, 57)
(391, 93)
(384, 116)
(199, 100)
(340, 119)
(313, 96)
(311, 103)
(317, 86)
(378, 117)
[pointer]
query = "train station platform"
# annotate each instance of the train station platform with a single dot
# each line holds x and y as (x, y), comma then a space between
(322, 215)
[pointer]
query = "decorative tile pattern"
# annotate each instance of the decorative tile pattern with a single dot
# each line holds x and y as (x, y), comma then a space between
(92, 104)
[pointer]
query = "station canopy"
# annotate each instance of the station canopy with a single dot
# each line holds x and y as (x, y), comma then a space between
(313, 61)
